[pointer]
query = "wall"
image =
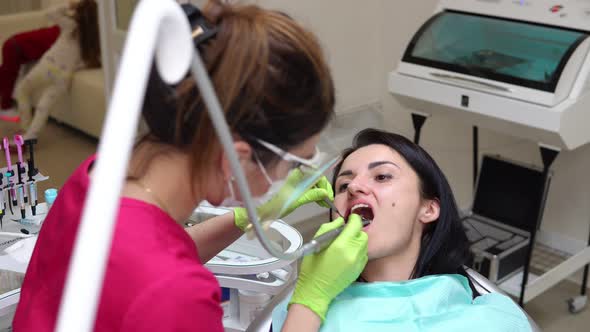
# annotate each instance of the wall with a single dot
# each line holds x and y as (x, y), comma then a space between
(49, 3)
(18, 6)
(348, 32)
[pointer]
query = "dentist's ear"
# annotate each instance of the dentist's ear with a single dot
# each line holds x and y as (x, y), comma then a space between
(430, 211)
(244, 151)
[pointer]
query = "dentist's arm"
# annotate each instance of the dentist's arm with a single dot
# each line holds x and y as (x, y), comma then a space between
(217, 233)
(214, 235)
(326, 274)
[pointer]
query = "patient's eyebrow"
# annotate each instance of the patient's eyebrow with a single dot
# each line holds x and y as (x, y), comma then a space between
(379, 163)
(371, 166)
(344, 173)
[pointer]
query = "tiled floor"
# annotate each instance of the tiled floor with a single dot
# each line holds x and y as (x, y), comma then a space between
(61, 150)
(551, 313)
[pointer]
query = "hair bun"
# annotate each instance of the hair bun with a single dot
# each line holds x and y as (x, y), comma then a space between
(214, 10)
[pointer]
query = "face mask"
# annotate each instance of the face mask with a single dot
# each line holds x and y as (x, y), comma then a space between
(275, 187)
(231, 201)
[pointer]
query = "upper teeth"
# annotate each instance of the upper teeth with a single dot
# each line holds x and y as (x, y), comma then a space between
(358, 206)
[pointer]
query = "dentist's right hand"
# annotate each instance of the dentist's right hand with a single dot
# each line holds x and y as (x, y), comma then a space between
(326, 274)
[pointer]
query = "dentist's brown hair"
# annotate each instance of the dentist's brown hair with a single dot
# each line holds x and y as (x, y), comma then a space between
(271, 78)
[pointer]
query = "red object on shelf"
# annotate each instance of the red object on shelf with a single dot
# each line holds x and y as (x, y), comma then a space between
(556, 8)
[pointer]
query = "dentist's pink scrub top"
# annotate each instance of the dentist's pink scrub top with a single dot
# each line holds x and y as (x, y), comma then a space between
(154, 280)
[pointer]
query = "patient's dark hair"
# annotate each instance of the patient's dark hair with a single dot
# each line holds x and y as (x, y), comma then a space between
(444, 248)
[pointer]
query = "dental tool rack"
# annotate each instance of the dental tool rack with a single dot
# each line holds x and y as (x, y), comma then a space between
(18, 188)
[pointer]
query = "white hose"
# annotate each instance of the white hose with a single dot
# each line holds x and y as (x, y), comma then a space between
(160, 26)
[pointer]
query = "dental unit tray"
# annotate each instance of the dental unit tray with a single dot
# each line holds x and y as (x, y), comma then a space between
(259, 260)
(245, 264)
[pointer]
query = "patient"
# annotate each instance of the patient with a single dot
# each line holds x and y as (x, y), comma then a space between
(414, 280)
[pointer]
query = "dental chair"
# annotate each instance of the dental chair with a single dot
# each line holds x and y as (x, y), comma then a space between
(481, 284)
(484, 286)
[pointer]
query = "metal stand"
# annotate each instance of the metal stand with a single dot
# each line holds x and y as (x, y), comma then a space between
(562, 264)
(475, 154)
(548, 155)
(568, 266)
(578, 303)
(418, 121)
(585, 276)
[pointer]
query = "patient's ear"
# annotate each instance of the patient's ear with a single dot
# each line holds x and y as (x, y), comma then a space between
(430, 211)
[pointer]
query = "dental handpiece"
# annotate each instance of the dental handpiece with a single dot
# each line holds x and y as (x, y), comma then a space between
(322, 241)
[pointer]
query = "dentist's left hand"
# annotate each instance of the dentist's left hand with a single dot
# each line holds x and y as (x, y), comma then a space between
(321, 190)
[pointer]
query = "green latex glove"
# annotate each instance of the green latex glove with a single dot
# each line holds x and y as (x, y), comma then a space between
(322, 189)
(326, 274)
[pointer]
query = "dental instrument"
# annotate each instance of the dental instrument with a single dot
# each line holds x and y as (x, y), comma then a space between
(32, 171)
(33, 202)
(21, 200)
(20, 167)
(31, 162)
(15, 189)
(322, 241)
(332, 206)
(2, 207)
(10, 173)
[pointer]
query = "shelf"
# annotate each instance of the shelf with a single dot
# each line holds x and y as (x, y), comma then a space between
(545, 258)
(512, 284)
(550, 266)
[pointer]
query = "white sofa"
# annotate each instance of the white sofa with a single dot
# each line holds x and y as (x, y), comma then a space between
(84, 107)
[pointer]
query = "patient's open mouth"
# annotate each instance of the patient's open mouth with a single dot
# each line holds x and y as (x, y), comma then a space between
(363, 210)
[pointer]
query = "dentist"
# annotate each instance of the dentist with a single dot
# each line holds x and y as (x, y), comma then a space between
(277, 94)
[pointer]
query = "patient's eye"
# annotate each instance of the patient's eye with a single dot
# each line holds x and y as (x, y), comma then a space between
(383, 177)
(342, 187)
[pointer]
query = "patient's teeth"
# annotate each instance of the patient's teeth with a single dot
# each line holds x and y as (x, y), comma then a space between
(357, 206)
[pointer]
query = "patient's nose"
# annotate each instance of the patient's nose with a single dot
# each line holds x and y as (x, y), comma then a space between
(357, 187)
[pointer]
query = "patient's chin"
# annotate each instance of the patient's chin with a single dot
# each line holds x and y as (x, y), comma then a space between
(374, 254)
(377, 251)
